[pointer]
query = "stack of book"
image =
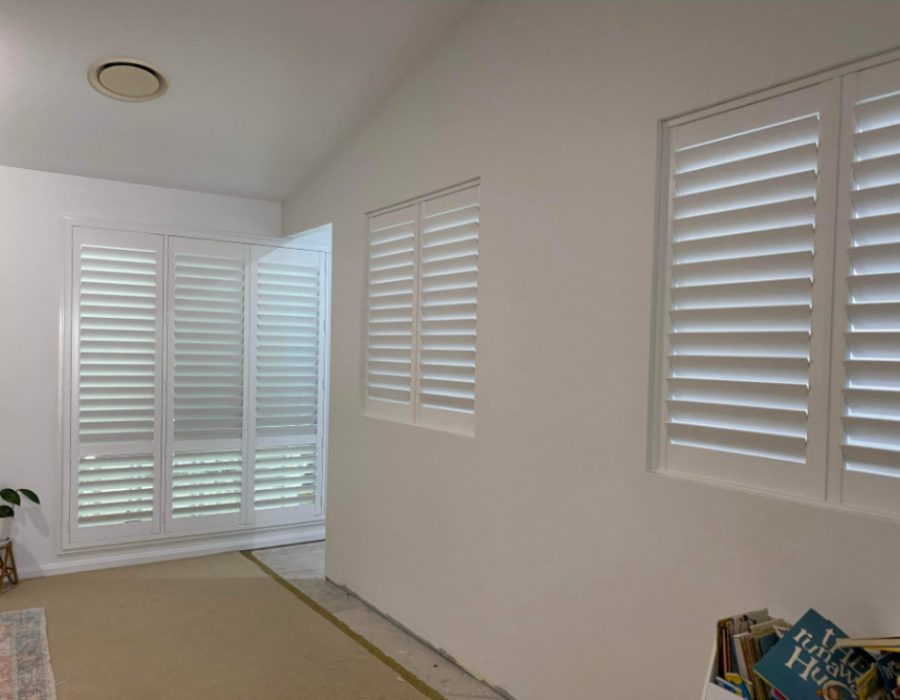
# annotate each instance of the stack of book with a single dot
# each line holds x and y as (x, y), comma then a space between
(758, 657)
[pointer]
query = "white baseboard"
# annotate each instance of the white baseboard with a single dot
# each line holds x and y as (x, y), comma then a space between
(194, 547)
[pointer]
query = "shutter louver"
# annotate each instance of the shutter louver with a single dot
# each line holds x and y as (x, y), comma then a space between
(287, 348)
(742, 275)
(115, 490)
(448, 295)
(117, 337)
(391, 300)
(118, 311)
(871, 364)
(207, 483)
(209, 347)
(285, 477)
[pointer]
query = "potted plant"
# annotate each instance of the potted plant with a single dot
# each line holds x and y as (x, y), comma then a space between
(12, 498)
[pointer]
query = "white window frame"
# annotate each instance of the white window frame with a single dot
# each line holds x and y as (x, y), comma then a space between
(414, 413)
(117, 536)
(826, 480)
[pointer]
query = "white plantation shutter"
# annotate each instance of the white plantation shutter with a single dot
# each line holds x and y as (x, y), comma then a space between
(865, 453)
(448, 296)
(749, 264)
(288, 352)
(422, 300)
(197, 385)
(391, 312)
(207, 393)
(116, 402)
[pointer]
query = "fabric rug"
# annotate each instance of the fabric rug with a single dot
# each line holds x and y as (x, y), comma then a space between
(208, 628)
(25, 672)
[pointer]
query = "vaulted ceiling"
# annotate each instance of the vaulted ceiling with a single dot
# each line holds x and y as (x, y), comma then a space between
(261, 90)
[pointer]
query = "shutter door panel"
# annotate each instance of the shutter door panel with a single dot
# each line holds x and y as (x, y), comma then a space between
(287, 347)
(870, 329)
(117, 342)
(207, 356)
(745, 262)
(448, 293)
(288, 355)
(390, 317)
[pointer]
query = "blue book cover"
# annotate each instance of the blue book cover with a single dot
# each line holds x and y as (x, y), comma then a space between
(889, 669)
(804, 665)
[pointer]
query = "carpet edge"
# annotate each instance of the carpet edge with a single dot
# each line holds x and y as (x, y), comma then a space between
(389, 661)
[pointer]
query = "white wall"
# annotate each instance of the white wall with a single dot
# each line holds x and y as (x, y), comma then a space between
(31, 204)
(541, 553)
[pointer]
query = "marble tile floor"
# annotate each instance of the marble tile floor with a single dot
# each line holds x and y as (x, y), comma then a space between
(304, 566)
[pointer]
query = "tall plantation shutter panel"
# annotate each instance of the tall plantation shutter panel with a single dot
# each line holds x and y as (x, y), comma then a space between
(866, 397)
(207, 391)
(114, 486)
(748, 296)
(288, 349)
(391, 312)
(448, 300)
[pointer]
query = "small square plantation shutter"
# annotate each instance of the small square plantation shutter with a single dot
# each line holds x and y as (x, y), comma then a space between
(117, 330)
(448, 301)
(866, 398)
(748, 292)
(288, 350)
(390, 320)
(206, 382)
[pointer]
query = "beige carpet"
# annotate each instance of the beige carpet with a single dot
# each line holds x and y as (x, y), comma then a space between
(212, 627)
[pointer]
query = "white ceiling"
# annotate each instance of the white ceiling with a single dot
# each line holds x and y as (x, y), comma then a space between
(261, 90)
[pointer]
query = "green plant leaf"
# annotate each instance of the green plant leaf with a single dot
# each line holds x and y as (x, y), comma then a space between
(10, 496)
(6, 512)
(30, 495)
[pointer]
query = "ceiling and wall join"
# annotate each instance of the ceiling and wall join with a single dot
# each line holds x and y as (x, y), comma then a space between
(261, 92)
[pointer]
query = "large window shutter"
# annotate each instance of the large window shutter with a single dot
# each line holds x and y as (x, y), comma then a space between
(207, 390)
(391, 317)
(288, 349)
(866, 399)
(448, 295)
(749, 240)
(116, 402)
(197, 375)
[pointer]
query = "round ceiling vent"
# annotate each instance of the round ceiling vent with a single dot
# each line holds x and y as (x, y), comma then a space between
(127, 79)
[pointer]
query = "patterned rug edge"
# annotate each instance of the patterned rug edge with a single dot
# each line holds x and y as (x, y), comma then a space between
(48, 680)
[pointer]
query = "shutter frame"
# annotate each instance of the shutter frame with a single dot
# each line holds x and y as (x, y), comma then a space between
(864, 440)
(391, 396)
(271, 497)
(449, 233)
(129, 502)
(441, 247)
(788, 136)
